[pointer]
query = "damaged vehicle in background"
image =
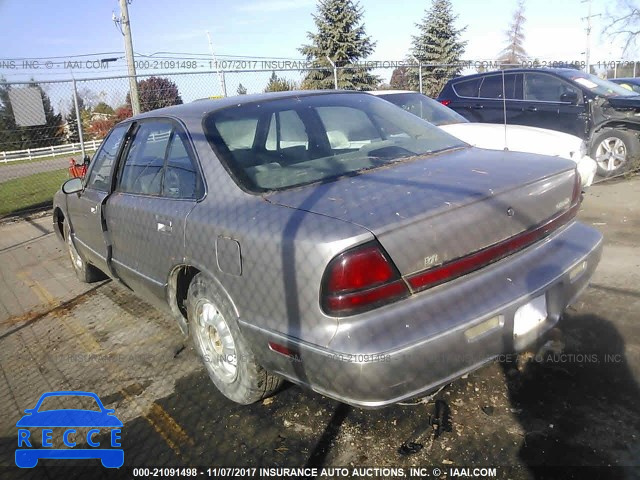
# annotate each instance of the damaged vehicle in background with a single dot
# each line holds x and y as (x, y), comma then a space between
(630, 83)
(331, 239)
(517, 138)
(601, 112)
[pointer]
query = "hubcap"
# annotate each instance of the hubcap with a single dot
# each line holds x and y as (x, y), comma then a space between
(75, 257)
(611, 154)
(215, 341)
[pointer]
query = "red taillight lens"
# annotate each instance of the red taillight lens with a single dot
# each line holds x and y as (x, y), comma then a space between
(360, 279)
(445, 102)
(576, 197)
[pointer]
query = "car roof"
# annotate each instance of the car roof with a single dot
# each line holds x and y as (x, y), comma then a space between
(390, 92)
(625, 79)
(201, 107)
(557, 71)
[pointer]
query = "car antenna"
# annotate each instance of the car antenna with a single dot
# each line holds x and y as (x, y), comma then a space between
(504, 111)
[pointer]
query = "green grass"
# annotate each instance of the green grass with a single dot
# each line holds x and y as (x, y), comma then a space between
(77, 156)
(31, 191)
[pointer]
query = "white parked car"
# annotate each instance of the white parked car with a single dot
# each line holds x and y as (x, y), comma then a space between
(491, 136)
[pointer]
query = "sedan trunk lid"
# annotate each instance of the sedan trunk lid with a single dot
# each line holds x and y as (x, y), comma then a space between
(434, 209)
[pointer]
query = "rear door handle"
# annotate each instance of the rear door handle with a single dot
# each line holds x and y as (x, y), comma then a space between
(165, 227)
(531, 109)
(477, 107)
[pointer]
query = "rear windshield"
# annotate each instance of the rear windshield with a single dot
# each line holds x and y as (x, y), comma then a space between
(425, 108)
(287, 142)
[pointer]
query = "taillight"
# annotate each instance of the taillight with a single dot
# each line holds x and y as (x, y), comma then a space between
(445, 102)
(576, 196)
(360, 279)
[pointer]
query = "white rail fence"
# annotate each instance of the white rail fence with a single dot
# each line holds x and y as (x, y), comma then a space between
(47, 152)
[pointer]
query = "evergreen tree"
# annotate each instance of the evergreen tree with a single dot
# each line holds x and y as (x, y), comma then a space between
(514, 53)
(340, 36)
(72, 121)
(278, 84)
(9, 134)
(241, 90)
(438, 41)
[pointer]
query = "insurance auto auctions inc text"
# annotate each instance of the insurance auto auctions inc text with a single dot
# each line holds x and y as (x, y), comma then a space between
(357, 472)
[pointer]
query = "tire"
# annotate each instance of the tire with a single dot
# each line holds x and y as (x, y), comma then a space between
(85, 272)
(615, 151)
(227, 357)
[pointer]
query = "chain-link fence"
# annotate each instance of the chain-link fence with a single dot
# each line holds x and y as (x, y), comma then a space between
(39, 141)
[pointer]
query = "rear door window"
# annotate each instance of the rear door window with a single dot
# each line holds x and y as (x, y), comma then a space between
(467, 88)
(492, 86)
(181, 179)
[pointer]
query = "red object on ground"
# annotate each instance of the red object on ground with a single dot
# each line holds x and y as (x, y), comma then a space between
(77, 170)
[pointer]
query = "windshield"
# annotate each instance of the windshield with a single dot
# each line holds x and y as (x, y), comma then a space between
(597, 85)
(287, 142)
(425, 108)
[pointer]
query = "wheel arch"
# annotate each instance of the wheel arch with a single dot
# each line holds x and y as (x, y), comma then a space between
(58, 222)
(614, 125)
(180, 278)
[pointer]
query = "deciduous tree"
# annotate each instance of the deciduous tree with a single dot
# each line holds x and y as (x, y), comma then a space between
(514, 53)
(156, 92)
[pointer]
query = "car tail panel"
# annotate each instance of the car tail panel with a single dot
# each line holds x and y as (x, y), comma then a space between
(433, 210)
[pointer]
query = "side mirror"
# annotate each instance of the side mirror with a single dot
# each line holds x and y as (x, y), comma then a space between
(73, 185)
(569, 97)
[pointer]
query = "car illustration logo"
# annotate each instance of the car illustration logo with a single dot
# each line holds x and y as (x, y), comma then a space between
(69, 419)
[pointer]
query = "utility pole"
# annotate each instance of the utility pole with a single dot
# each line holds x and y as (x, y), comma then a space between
(78, 118)
(128, 48)
(419, 70)
(223, 84)
(335, 72)
(588, 19)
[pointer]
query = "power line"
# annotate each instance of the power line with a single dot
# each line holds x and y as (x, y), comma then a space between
(63, 56)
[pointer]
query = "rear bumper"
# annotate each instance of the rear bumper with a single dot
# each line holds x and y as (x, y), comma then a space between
(415, 345)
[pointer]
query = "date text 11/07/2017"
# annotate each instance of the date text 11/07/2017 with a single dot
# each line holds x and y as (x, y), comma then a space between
(313, 472)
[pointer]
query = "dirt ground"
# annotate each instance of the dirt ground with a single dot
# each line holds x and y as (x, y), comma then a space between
(578, 407)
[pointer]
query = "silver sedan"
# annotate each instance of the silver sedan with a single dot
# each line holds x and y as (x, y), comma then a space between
(331, 239)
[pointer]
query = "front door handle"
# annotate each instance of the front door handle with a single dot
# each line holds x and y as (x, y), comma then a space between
(532, 109)
(165, 227)
(477, 107)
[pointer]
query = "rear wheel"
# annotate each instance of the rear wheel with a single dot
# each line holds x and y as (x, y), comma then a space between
(85, 272)
(615, 151)
(227, 357)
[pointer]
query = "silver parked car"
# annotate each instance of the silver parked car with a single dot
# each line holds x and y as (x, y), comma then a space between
(331, 239)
